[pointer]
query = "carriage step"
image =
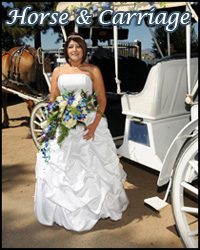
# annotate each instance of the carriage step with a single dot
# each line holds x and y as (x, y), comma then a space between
(156, 203)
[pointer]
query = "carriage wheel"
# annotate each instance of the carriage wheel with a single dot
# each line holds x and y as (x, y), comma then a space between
(185, 193)
(37, 116)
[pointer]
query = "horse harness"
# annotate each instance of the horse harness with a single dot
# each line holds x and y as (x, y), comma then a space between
(16, 74)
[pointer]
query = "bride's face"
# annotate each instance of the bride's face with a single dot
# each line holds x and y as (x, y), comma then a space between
(74, 51)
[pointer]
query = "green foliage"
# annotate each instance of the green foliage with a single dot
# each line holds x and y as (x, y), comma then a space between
(13, 35)
(73, 8)
(53, 116)
(63, 132)
(102, 114)
(163, 4)
(177, 38)
(74, 111)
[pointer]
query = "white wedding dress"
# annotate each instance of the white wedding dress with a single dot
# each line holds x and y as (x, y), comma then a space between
(83, 180)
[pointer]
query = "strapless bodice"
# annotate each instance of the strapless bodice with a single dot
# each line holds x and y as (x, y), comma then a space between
(75, 82)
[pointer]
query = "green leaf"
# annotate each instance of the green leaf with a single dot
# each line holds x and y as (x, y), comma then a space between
(62, 134)
(53, 131)
(89, 4)
(102, 114)
(74, 111)
(66, 9)
(163, 4)
(53, 117)
(83, 94)
(73, 7)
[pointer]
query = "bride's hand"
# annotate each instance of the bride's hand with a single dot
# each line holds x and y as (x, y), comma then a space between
(90, 131)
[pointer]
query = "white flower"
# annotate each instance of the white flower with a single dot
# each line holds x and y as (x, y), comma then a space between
(44, 124)
(61, 113)
(70, 123)
(85, 120)
(79, 98)
(62, 105)
(59, 98)
(74, 104)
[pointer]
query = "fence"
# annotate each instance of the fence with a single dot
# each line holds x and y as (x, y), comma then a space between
(129, 48)
(125, 48)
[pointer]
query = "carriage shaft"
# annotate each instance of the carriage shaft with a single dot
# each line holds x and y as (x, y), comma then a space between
(27, 97)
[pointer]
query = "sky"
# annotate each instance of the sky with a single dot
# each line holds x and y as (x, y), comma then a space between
(135, 33)
(140, 33)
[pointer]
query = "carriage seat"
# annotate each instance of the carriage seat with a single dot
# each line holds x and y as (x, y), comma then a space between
(164, 92)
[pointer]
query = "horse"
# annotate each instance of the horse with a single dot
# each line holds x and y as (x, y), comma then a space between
(22, 72)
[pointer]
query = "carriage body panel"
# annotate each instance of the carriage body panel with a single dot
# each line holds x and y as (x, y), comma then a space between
(156, 115)
(147, 141)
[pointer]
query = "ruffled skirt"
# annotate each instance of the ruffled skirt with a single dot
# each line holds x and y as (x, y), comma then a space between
(82, 182)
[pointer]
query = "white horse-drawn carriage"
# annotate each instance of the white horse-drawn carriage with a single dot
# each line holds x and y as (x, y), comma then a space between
(160, 119)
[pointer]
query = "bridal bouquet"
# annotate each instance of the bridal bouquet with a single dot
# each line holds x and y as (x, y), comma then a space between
(66, 111)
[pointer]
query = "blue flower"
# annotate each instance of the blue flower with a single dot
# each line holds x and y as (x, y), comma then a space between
(67, 116)
(79, 108)
(44, 132)
(83, 103)
(82, 116)
(78, 113)
(75, 117)
(94, 9)
(50, 106)
(77, 10)
(71, 99)
(105, 5)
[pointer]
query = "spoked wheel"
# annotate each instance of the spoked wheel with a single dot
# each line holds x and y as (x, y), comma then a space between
(37, 116)
(185, 193)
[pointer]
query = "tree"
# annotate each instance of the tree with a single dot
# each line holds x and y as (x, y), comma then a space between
(177, 38)
(13, 35)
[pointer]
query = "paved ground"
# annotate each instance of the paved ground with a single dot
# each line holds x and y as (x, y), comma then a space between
(140, 227)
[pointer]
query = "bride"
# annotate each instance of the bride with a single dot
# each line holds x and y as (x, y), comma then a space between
(83, 181)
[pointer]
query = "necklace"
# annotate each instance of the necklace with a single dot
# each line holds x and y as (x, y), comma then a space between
(74, 67)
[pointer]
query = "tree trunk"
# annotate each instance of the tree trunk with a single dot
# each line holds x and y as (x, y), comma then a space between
(37, 40)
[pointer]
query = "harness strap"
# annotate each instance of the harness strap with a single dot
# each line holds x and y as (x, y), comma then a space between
(10, 63)
(14, 72)
(18, 74)
(15, 53)
(28, 48)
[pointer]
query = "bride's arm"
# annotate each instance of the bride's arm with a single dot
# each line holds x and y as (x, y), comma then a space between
(98, 86)
(54, 84)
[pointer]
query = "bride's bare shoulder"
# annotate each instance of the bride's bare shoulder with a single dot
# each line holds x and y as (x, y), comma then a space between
(59, 69)
(92, 69)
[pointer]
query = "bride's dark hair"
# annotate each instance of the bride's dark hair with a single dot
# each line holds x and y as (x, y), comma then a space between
(79, 39)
